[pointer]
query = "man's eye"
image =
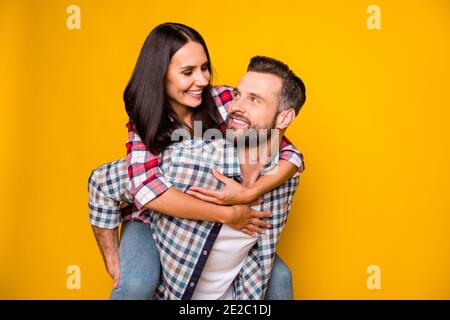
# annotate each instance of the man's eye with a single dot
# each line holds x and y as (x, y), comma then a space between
(254, 100)
(235, 94)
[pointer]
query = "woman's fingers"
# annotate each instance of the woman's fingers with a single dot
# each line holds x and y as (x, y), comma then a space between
(256, 202)
(247, 231)
(221, 177)
(200, 196)
(260, 223)
(206, 192)
(261, 214)
(254, 228)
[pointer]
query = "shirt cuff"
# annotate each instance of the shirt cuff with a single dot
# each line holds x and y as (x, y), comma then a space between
(295, 158)
(149, 190)
(104, 217)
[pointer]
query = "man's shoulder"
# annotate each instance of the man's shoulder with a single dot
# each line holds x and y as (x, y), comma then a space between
(108, 172)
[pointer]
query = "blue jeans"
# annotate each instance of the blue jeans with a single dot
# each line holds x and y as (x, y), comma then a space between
(140, 267)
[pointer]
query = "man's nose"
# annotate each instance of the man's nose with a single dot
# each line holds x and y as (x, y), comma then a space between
(237, 106)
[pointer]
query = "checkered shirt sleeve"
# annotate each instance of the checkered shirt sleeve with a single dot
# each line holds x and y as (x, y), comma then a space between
(108, 185)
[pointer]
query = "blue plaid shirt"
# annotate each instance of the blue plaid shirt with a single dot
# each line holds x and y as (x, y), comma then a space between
(183, 244)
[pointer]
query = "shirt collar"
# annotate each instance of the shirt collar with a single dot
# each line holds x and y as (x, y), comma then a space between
(231, 167)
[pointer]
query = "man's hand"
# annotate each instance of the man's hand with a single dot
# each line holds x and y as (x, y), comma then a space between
(232, 193)
(247, 220)
(113, 268)
(107, 240)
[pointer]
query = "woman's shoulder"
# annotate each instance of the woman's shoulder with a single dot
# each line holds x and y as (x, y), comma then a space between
(221, 89)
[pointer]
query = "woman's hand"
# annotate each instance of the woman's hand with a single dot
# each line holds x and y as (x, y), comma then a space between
(232, 193)
(247, 220)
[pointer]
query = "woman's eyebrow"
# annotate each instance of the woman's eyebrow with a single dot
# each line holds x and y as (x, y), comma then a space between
(192, 67)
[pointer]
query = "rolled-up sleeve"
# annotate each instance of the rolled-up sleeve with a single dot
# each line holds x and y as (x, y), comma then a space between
(104, 209)
(146, 177)
(289, 153)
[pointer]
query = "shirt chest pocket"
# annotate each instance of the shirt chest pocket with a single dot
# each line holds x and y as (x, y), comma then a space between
(191, 164)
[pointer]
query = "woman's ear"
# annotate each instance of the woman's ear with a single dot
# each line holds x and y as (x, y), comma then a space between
(285, 118)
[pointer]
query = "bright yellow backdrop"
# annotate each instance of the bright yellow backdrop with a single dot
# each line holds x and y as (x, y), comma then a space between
(374, 132)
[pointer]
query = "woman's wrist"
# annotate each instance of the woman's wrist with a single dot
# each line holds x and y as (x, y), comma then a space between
(252, 193)
(226, 214)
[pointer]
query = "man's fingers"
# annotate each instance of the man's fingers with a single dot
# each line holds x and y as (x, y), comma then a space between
(116, 282)
(200, 196)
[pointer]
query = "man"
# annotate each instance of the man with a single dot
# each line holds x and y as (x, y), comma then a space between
(203, 260)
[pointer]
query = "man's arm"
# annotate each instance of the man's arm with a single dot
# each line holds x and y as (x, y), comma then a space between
(104, 213)
(108, 243)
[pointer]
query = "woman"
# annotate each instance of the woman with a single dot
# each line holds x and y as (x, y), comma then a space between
(168, 90)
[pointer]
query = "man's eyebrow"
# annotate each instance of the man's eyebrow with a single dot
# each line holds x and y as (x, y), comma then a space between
(256, 96)
(192, 67)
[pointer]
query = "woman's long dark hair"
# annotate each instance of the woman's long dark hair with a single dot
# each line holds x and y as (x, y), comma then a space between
(145, 96)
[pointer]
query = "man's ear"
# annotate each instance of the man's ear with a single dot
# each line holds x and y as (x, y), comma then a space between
(285, 118)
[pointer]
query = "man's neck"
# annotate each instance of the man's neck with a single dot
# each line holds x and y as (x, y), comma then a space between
(254, 160)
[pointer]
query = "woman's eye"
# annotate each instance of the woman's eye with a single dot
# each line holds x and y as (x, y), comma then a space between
(187, 73)
(205, 67)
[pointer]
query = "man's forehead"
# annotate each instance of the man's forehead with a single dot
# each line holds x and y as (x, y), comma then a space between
(260, 83)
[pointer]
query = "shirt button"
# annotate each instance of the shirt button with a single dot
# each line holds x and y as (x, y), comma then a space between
(205, 252)
(192, 284)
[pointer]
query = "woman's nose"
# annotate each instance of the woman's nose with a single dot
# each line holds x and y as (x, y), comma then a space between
(202, 79)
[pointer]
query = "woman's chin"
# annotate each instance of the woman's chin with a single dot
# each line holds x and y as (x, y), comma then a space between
(195, 104)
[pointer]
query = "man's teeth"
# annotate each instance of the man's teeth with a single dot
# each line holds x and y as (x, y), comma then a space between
(239, 121)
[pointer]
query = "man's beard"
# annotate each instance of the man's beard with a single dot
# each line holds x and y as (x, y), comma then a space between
(250, 137)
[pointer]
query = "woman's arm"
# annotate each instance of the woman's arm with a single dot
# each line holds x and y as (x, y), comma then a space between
(241, 217)
(235, 193)
(290, 164)
(151, 190)
(274, 178)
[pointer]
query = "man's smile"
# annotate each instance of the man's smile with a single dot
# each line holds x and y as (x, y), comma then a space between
(239, 122)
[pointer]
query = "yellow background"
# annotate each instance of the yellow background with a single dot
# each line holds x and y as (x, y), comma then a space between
(374, 132)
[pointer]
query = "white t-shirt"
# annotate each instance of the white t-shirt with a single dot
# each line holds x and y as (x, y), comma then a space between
(223, 265)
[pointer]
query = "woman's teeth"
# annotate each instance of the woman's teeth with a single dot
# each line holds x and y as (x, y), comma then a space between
(195, 94)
